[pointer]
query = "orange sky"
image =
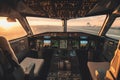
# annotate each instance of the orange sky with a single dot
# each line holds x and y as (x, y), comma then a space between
(97, 21)
(10, 30)
(8, 27)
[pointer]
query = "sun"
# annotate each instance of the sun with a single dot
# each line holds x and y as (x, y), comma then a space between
(6, 25)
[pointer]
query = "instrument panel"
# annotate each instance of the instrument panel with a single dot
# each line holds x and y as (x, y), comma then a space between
(63, 40)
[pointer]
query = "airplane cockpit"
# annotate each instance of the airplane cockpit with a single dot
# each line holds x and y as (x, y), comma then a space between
(59, 40)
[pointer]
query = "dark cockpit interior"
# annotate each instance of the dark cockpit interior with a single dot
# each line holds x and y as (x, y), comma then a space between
(90, 52)
(67, 53)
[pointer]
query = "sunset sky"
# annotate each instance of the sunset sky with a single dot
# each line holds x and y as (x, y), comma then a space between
(15, 28)
(94, 21)
(11, 30)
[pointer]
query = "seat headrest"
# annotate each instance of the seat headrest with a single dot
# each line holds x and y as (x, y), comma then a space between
(5, 46)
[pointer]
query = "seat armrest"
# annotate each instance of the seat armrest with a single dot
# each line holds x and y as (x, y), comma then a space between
(38, 64)
(29, 70)
(93, 66)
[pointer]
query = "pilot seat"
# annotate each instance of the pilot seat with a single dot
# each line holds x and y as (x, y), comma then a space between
(11, 69)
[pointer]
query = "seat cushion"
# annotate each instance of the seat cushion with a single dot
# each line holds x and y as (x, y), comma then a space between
(38, 64)
(93, 66)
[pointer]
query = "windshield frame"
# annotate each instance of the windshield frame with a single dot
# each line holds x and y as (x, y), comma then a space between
(67, 23)
(113, 28)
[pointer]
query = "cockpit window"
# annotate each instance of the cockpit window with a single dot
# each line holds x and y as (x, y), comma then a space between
(114, 31)
(87, 24)
(11, 30)
(40, 25)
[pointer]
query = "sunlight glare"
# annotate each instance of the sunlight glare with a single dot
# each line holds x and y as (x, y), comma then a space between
(6, 25)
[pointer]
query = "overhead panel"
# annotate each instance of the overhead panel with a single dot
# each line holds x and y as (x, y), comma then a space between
(61, 9)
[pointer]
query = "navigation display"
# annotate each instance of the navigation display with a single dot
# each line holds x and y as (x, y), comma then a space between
(75, 44)
(63, 44)
(47, 43)
(55, 44)
(83, 43)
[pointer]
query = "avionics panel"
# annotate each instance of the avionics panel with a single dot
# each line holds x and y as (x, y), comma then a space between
(64, 40)
(46, 43)
(55, 44)
(83, 43)
(75, 44)
(63, 44)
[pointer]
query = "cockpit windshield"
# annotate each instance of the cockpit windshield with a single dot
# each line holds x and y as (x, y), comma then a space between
(11, 30)
(90, 25)
(87, 24)
(40, 25)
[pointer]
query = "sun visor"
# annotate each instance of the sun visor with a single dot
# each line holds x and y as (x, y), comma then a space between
(103, 7)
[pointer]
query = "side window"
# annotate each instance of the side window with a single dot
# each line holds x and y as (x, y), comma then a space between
(114, 31)
(11, 30)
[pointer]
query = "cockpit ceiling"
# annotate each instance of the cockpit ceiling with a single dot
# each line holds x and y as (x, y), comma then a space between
(63, 9)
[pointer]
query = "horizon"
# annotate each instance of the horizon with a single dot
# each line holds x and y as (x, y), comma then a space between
(53, 25)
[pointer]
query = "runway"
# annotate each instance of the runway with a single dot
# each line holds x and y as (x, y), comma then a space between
(113, 33)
